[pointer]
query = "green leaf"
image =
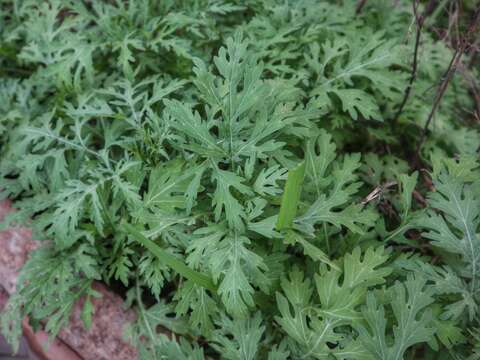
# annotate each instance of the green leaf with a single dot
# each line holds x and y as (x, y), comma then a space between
(170, 260)
(456, 230)
(315, 326)
(203, 308)
(356, 102)
(291, 197)
(87, 312)
(334, 183)
(168, 184)
(309, 249)
(318, 164)
(301, 322)
(240, 268)
(239, 339)
(407, 186)
(341, 301)
(191, 125)
(446, 281)
(225, 201)
(413, 320)
(266, 182)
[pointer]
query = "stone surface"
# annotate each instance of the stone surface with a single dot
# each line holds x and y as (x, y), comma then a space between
(104, 340)
(40, 348)
(15, 245)
(3, 298)
(6, 352)
(5, 207)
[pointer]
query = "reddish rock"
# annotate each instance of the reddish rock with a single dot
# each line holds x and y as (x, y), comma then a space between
(3, 298)
(5, 207)
(15, 245)
(104, 340)
(45, 350)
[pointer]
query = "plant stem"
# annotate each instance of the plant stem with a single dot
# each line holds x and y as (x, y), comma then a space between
(441, 91)
(360, 5)
(455, 60)
(327, 240)
(413, 74)
(419, 21)
(142, 315)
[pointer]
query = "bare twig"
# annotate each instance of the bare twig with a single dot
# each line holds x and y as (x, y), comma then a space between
(413, 74)
(453, 25)
(476, 96)
(474, 50)
(420, 198)
(455, 60)
(360, 5)
(472, 81)
(457, 55)
(378, 191)
(419, 21)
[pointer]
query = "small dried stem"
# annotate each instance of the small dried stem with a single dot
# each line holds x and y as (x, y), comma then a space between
(360, 5)
(441, 91)
(455, 60)
(419, 21)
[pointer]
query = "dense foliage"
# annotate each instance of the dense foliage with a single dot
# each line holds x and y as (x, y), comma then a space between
(237, 171)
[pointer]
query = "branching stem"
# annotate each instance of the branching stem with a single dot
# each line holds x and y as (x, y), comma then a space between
(419, 21)
(454, 62)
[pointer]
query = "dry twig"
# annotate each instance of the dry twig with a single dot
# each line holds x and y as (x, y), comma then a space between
(419, 21)
(454, 62)
(360, 5)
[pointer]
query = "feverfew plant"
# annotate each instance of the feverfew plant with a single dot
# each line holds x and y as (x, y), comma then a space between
(239, 173)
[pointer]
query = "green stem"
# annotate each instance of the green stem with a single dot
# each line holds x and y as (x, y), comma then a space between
(327, 240)
(171, 261)
(142, 311)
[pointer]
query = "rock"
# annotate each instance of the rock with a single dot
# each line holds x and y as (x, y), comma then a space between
(15, 244)
(104, 340)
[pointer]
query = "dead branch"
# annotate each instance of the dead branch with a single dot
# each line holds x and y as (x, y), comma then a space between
(455, 60)
(375, 193)
(360, 5)
(419, 21)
